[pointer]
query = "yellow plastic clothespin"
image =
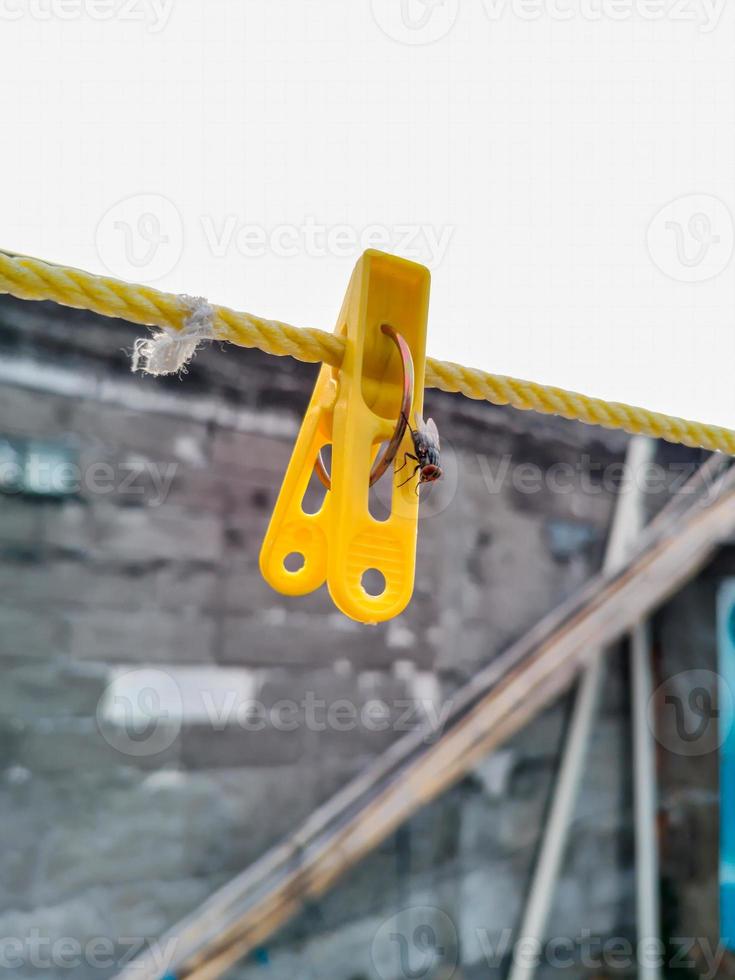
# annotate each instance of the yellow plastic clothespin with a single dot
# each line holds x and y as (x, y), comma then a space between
(357, 408)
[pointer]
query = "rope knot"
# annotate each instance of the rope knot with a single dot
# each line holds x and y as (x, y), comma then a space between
(168, 351)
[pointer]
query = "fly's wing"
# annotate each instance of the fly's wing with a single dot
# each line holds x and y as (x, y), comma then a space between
(426, 436)
(431, 434)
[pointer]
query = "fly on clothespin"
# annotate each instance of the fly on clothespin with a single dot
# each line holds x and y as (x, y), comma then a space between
(364, 410)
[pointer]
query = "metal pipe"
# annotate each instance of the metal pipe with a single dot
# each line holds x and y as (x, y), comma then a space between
(645, 804)
(627, 522)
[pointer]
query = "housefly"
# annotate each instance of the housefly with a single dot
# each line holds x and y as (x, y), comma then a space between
(426, 452)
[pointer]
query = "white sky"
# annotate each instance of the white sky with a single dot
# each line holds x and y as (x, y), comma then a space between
(526, 149)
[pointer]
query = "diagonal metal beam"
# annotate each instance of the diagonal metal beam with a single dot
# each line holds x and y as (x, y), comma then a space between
(493, 706)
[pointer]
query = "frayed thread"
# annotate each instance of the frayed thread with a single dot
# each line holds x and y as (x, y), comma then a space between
(168, 351)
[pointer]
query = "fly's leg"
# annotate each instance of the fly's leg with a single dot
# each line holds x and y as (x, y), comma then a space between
(406, 457)
(415, 471)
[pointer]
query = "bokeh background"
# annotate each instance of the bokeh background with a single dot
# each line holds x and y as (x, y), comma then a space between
(131, 516)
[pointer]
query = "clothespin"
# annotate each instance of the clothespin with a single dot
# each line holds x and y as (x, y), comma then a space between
(363, 409)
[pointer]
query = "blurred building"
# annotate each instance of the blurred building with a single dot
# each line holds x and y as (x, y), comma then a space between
(131, 516)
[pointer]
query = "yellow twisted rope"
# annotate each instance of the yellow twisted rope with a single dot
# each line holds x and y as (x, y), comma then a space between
(29, 278)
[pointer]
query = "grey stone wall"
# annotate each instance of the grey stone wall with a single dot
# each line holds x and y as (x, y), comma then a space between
(152, 565)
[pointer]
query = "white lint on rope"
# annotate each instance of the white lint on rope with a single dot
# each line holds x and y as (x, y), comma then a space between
(168, 351)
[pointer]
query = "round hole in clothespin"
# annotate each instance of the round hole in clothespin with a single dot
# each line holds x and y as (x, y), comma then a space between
(373, 582)
(294, 562)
